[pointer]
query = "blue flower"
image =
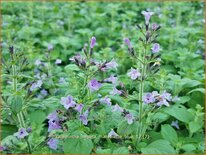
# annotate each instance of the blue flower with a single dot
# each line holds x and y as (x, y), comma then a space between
(148, 98)
(155, 48)
(147, 16)
(79, 107)
(68, 102)
(134, 73)
(83, 118)
(93, 42)
(112, 133)
(21, 133)
(129, 117)
(94, 85)
(53, 143)
(106, 100)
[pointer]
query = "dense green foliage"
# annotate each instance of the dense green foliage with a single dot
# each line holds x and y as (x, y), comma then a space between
(32, 27)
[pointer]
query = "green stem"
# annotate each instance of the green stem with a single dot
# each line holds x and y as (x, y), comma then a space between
(141, 91)
(20, 114)
(29, 146)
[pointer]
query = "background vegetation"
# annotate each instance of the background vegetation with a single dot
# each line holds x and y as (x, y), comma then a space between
(32, 27)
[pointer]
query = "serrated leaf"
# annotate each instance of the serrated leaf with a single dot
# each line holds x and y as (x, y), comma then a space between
(16, 103)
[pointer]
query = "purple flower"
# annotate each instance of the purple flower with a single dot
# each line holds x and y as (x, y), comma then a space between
(147, 16)
(53, 143)
(106, 100)
(44, 92)
(2, 148)
(166, 96)
(94, 85)
(21, 133)
(148, 98)
(83, 118)
(79, 107)
(111, 79)
(155, 48)
(112, 64)
(117, 108)
(154, 26)
(134, 73)
(112, 133)
(155, 93)
(53, 116)
(68, 102)
(54, 125)
(162, 101)
(62, 80)
(78, 59)
(58, 61)
(175, 124)
(129, 117)
(115, 91)
(50, 47)
(29, 129)
(127, 42)
(93, 42)
(38, 62)
(36, 85)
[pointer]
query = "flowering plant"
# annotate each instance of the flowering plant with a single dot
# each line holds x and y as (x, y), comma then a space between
(85, 106)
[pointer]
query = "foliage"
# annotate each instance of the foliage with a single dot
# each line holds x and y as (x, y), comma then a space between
(49, 60)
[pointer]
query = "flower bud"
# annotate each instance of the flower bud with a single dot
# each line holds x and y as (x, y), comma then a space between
(29, 129)
(11, 49)
(93, 42)
(91, 51)
(127, 42)
(154, 26)
(148, 35)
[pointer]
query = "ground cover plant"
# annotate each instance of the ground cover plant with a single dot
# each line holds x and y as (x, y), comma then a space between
(104, 78)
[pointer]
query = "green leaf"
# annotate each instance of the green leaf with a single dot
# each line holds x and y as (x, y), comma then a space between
(16, 103)
(73, 125)
(168, 133)
(121, 150)
(103, 151)
(7, 130)
(71, 67)
(202, 90)
(10, 141)
(188, 83)
(194, 126)
(188, 147)
(160, 117)
(78, 144)
(159, 147)
(183, 99)
(180, 113)
(105, 89)
(125, 129)
(37, 116)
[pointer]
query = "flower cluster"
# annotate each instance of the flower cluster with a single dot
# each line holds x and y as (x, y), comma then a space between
(160, 99)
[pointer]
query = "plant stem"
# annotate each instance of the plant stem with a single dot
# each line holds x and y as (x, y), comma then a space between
(20, 114)
(141, 91)
(29, 146)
